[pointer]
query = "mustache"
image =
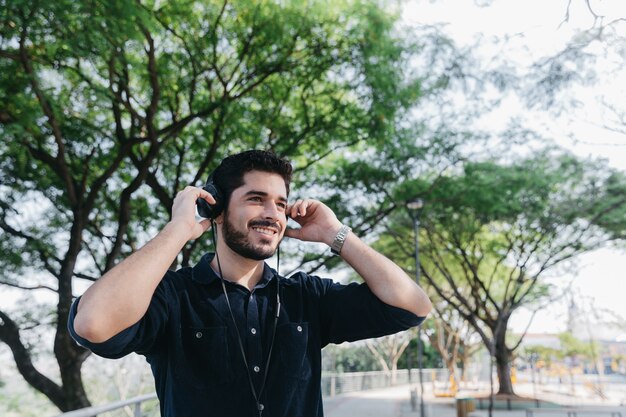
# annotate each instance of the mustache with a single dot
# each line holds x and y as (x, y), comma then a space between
(264, 223)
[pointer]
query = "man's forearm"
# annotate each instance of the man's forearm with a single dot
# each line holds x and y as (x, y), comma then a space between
(121, 297)
(386, 279)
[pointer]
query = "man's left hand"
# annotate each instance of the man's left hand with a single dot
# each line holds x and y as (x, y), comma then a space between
(319, 223)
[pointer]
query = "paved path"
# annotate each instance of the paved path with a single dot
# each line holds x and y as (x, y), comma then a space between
(395, 402)
(373, 403)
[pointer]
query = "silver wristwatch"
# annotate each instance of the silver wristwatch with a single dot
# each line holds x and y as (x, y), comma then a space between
(340, 238)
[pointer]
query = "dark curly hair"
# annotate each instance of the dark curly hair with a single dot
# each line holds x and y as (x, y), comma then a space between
(228, 176)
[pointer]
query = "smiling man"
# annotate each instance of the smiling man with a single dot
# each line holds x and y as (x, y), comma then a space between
(229, 336)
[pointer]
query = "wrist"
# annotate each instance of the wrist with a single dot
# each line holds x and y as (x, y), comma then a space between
(179, 230)
(340, 238)
(330, 237)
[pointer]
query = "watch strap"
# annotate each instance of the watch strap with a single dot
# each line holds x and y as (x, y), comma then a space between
(340, 239)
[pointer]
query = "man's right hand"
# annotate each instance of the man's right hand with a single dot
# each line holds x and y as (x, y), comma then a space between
(184, 211)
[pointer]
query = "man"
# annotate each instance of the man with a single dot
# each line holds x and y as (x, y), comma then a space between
(229, 337)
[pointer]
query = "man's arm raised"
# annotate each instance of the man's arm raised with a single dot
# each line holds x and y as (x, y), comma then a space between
(384, 278)
(121, 297)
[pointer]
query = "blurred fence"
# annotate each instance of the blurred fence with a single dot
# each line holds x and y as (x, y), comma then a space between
(134, 407)
(573, 390)
(332, 384)
(582, 389)
(341, 383)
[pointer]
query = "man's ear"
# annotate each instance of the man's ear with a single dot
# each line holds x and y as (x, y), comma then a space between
(219, 219)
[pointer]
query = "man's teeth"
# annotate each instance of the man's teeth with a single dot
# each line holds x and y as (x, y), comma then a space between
(265, 231)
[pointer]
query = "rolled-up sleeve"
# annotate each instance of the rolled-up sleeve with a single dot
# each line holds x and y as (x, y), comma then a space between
(352, 312)
(142, 337)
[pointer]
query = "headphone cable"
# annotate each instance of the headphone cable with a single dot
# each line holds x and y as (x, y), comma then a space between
(257, 398)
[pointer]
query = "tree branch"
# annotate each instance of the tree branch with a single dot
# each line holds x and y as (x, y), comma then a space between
(61, 164)
(9, 334)
(26, 287)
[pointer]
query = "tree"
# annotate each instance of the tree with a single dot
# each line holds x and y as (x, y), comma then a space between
(538, 357)
(389, 349)
(573, 349)
(576, 88)
(430, 359)
(109, 108)
(492, 230)
(505, 226)
(349, 357)
(453, 338)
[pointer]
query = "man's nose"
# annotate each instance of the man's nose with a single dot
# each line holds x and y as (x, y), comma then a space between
(272, 211)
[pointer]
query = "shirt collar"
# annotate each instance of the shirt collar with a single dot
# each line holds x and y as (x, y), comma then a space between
(204, 274)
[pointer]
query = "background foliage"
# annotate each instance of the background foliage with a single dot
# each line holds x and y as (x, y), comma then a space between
(107, 109)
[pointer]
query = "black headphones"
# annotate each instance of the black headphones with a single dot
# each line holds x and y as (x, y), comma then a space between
(207, 210)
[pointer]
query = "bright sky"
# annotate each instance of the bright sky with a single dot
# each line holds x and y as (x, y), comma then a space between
(534, 30)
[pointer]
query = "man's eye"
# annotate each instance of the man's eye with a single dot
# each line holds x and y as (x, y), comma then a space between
(282, 206)
(254, 199)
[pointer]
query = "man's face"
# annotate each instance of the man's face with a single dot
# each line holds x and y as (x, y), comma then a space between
(255, 220)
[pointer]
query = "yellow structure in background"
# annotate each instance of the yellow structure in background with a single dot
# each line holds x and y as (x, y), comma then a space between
(447, 389)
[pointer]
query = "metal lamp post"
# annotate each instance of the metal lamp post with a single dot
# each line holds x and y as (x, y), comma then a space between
(415, 207)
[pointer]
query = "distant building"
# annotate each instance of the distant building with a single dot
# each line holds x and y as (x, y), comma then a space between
(612, 352)
(587, 325)
(550, 340)
(577, 321)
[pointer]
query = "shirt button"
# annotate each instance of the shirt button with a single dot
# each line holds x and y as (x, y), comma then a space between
(253, 330)
(198, 335)
(299, 328)
(256, 369)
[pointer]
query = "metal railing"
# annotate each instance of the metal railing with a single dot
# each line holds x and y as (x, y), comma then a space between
(341, 383)
(574, 412)
(136, 402)
(332, 384)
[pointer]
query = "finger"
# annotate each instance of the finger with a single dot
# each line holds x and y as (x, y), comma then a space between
(293, 233)
(299, 208)
(201, 193)
(303, 207)
(292, 210)
(190, 189)
(208, 197)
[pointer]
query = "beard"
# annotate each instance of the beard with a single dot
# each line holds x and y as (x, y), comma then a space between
(239, 242)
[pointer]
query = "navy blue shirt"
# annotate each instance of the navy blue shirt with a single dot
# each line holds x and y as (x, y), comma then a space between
(189, 340)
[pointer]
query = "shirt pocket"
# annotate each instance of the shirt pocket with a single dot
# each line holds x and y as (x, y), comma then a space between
(207, 354)
(292, 341)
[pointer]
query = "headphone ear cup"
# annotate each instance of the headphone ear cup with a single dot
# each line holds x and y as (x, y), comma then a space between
(207, 210)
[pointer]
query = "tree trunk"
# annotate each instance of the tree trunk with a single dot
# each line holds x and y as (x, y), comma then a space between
(10, 334)
(451, 365)
(69, 355)
(502, 355)
(465, 362)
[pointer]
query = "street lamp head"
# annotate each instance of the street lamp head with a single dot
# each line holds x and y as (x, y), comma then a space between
(415, 204)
